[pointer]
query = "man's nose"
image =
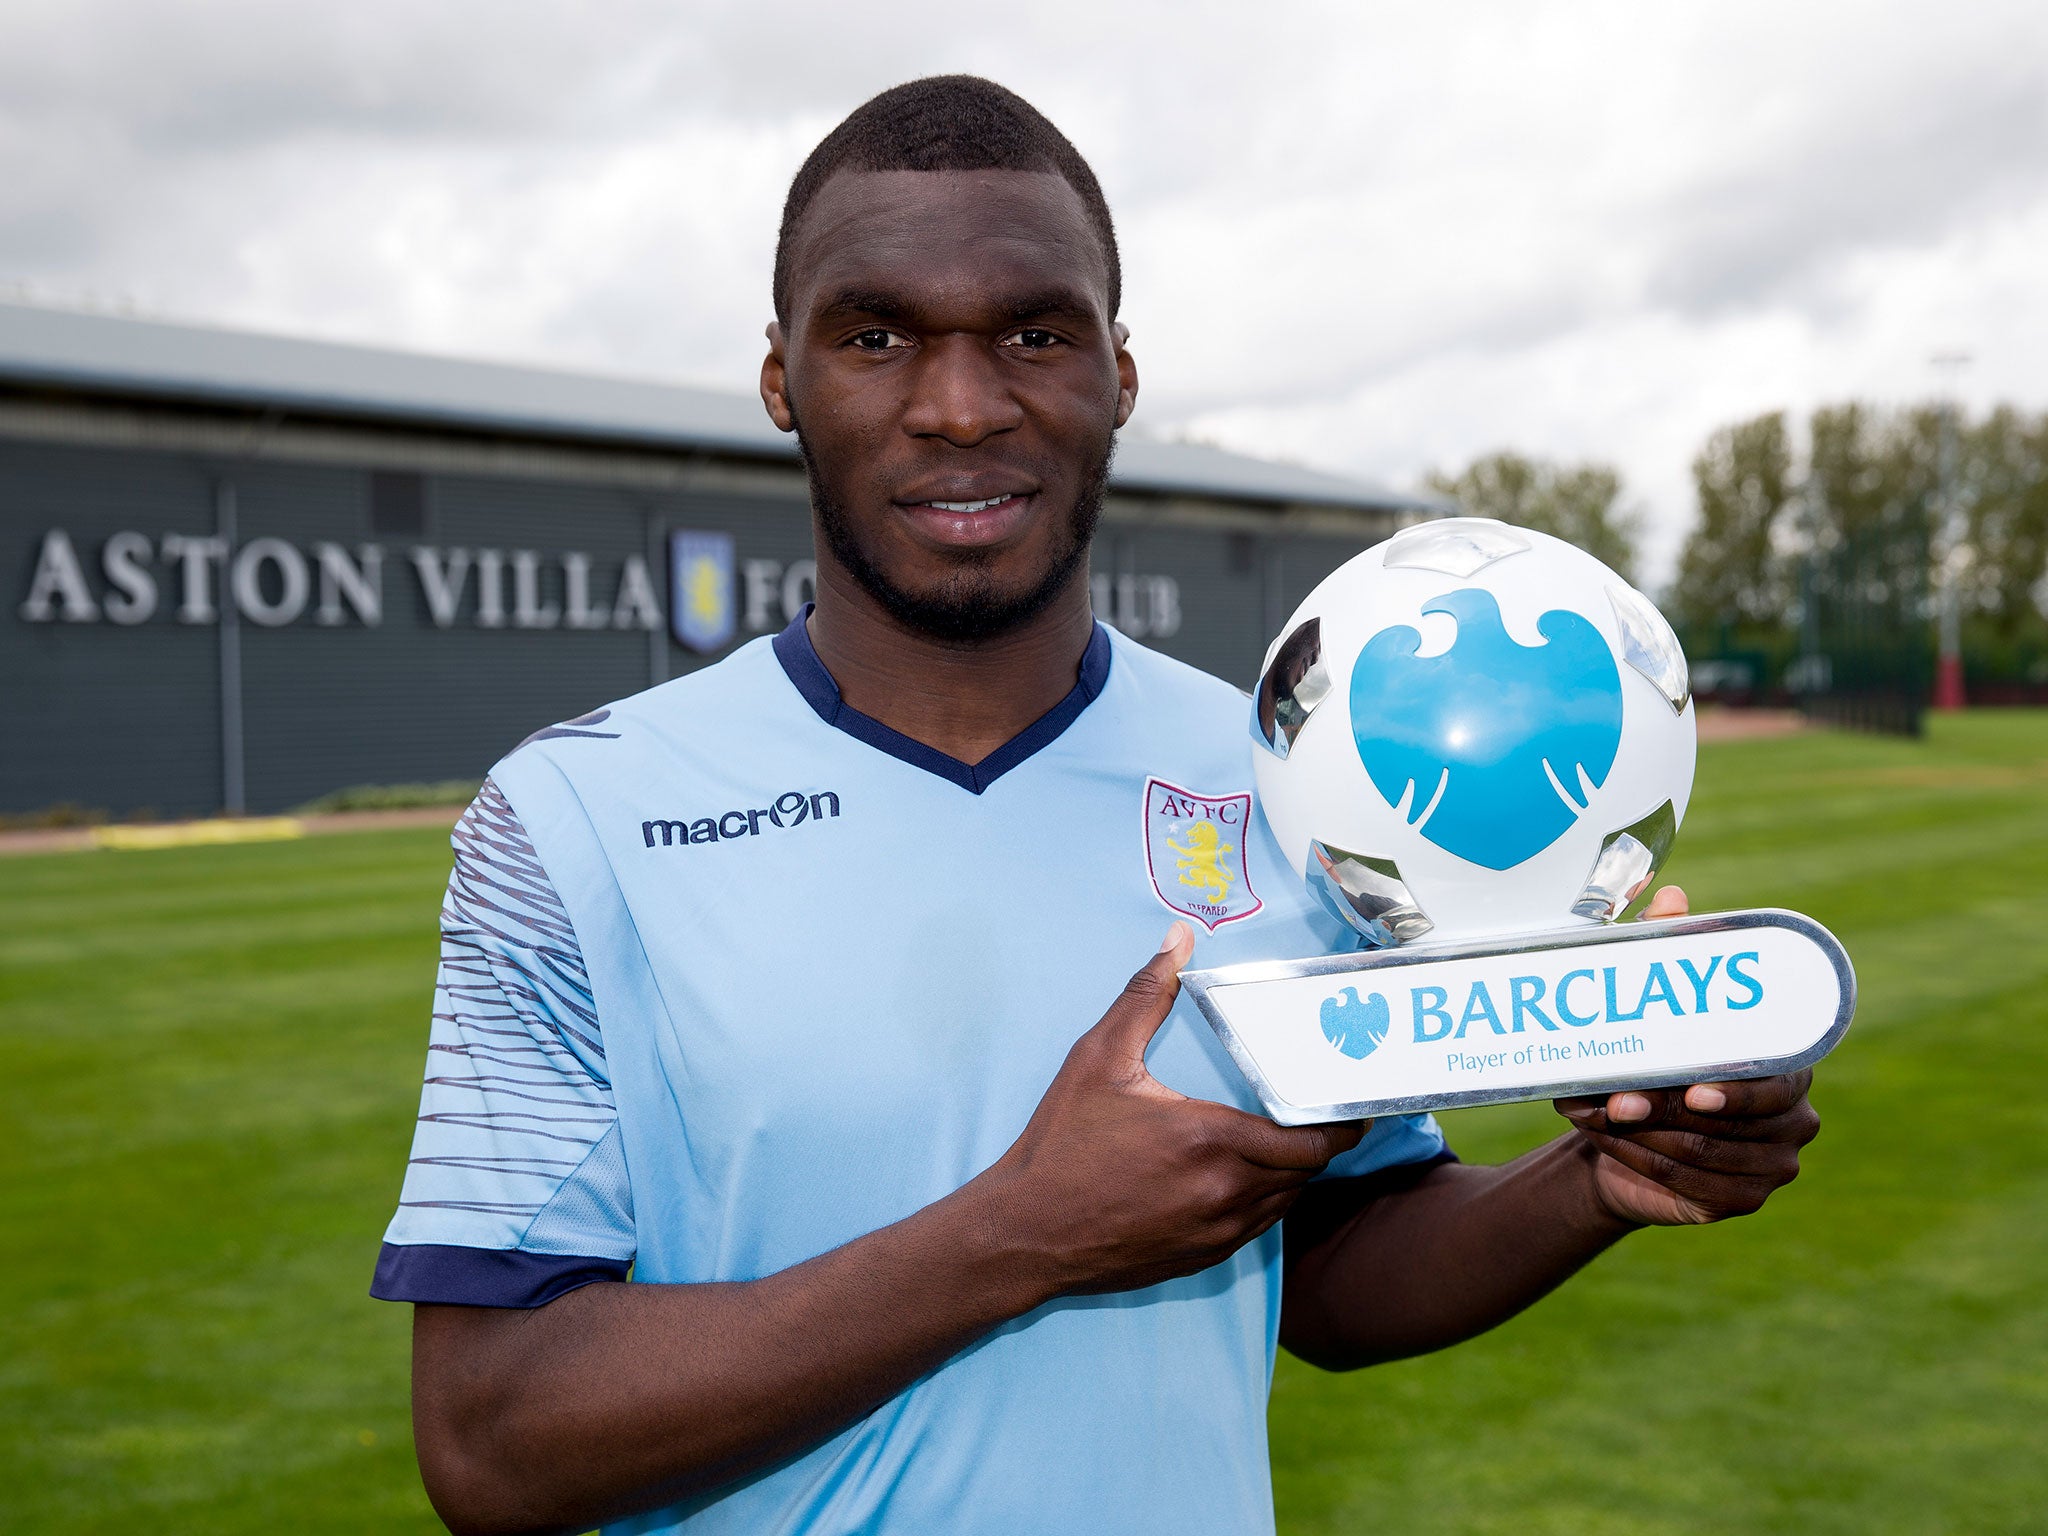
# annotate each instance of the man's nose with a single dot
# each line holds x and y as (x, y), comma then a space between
(958, 393)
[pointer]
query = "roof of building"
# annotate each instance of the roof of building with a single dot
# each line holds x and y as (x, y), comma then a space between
(147, 359)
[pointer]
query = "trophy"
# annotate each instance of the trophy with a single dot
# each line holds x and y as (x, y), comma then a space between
(1475, 743)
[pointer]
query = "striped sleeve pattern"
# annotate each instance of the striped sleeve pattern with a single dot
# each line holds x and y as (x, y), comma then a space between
(517, 1189)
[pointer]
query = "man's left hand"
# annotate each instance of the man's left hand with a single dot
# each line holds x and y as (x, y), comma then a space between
(1676, 1157)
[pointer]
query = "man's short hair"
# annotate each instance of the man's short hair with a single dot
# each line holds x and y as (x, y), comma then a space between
(944, 123)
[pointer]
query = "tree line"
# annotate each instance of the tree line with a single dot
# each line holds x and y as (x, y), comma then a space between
(1779, 506)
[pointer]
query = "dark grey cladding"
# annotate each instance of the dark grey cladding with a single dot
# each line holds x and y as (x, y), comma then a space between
(427, 561)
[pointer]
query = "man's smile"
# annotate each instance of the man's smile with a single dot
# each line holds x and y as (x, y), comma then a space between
(968, 506)
(970, 523)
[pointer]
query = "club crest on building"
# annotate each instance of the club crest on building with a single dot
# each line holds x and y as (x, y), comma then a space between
(1196, 853)
(700, 574)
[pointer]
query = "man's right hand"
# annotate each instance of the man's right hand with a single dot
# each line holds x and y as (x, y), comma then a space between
(1118, 1182)
(619, 1398)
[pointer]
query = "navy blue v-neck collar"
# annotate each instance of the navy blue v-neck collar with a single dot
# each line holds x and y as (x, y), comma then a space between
(799, 659)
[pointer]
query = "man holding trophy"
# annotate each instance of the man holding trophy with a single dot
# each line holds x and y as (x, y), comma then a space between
(936, 1216)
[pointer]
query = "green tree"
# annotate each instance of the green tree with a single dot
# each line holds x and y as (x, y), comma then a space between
(1732, 573)
(1579, 503)
(1874, 479)
(2002, 471)
(1857, 530)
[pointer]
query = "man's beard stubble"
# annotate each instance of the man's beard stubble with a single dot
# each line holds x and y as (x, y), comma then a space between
(966, 607)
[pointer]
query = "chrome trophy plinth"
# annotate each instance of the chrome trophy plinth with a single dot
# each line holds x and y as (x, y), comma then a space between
(1476, 744)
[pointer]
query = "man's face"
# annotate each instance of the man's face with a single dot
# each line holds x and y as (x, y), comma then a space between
(955, 380)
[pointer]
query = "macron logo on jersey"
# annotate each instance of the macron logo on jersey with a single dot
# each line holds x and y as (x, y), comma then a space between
(792, 808)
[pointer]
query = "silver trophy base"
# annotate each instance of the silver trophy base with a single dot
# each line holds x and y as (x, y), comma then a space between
(1717, 997)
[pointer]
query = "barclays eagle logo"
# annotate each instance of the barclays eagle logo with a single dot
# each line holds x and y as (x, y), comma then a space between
(1498, 745)
(1353, 1027)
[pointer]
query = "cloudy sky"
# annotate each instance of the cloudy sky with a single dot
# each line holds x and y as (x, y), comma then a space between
(1379, 238)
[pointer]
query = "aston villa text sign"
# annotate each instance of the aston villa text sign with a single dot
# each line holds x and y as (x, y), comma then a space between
(273, 582)
(134, 578)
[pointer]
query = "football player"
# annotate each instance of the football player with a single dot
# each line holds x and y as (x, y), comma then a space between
(799, 1151)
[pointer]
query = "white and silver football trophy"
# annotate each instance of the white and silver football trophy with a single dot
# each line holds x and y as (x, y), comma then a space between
(1475, 743)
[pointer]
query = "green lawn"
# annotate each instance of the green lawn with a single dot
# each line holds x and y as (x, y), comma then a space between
(212, 1057)
(1870, 1352)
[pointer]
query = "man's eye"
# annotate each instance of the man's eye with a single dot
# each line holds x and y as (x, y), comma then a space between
(1035, 339)
(877, 340)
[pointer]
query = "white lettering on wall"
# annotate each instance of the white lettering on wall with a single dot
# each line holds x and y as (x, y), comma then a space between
(274, 582)
(1143, 607)
(636, 607)
(760, 586)
(490, 589)
(772, 594)
(578, 613)
(192, 552)
(441, 582)
(528, 611)
(358, 582)
(1165, 597)
(799, 586)
(122, 561)
(58, 589)
(293, 582)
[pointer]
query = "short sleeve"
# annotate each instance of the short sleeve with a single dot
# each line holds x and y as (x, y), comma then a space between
(1394, 1141)
(517, 1188)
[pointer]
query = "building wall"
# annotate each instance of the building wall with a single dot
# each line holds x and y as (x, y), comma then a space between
(127, 716)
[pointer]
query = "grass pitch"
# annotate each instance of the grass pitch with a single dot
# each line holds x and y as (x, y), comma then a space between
(212, 1061)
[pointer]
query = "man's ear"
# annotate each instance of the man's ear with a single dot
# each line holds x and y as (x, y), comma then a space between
(1126, 375)
(775, 381)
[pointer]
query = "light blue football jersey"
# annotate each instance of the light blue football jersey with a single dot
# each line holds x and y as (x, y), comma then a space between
(733, 974)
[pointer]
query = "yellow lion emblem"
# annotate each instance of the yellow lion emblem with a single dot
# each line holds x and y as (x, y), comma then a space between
(1199, 862)
(707, 590)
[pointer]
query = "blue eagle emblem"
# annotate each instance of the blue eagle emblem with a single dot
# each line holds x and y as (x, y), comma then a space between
(1495, 742)
(1355, 1028)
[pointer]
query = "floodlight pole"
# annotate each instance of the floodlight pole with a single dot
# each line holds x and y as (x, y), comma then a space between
(1948, 675)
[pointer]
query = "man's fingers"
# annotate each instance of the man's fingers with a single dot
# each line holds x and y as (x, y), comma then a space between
(1293, 1148)
(1725, 1109)
(1758, 1097)
(1134, 1018)
(1668, 902)
(1722, 1192)
(1796, 1127)
(1270, 1210)
(1631, 1110)
(1711, 1153)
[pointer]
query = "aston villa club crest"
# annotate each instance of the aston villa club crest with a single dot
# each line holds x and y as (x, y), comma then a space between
(700, 598)
(1196, 852)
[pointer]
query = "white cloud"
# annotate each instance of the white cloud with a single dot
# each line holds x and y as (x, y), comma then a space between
(1380, 238)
